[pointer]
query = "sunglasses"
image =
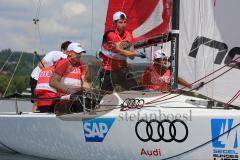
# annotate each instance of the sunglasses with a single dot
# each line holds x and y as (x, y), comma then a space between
(158, 59)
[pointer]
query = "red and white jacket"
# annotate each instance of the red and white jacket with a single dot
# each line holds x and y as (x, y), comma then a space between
(71, 76)
(112, 60)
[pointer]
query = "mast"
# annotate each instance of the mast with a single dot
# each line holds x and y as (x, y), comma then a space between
(175, 42)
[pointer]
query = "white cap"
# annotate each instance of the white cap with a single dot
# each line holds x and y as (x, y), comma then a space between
(76, 47)
(159, 54)
(117, 16)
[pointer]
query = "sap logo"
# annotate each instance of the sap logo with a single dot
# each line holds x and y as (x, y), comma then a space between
(230, 137)
(95, 130)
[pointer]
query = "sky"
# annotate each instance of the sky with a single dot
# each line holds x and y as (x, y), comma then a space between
(59, 20)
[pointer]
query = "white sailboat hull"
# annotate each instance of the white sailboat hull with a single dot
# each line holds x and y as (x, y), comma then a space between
(115, 135)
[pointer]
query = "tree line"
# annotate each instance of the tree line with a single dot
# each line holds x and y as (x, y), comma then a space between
(20, 80)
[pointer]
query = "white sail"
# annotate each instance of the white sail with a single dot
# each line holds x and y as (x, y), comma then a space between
(209, 35)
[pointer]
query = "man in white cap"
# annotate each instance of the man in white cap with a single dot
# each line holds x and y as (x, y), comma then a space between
(115, 54)
(69, 74)
(65, 77)
(157, 77)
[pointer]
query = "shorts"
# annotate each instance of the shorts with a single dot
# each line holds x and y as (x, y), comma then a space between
(33, 84)
(123, 78)
(46, 109)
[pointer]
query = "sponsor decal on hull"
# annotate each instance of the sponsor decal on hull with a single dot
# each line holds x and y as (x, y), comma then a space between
(225, 139)
(95, 130)
(150, 153)
(164, 130)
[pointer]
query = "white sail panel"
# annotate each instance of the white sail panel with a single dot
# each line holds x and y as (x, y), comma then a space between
(209, 38)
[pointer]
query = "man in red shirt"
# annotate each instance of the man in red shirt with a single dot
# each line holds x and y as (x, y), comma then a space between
(114, 55)
(69, 75)
(157, 77)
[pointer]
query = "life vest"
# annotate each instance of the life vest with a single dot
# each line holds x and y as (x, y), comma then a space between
(73, 75)
(44, 90)
(44, 78)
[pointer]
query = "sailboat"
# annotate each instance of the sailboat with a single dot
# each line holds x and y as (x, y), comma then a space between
(153, 125)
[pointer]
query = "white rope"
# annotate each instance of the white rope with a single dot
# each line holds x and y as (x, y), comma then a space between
(37, 25)
(15, 69)
(6, 62)
(123, 5)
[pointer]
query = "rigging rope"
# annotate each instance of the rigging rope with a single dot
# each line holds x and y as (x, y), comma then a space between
(199, 146)
(159, 99)
(233, 98)
(15, 69)
(122, 5)
(6, 61)
(236, 64)
(33, 61)
(36, 24)
(92, 24)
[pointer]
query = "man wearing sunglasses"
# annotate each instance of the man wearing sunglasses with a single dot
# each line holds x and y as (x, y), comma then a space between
(157, 77)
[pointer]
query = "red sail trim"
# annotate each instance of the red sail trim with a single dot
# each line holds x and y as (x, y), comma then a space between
(138, 11)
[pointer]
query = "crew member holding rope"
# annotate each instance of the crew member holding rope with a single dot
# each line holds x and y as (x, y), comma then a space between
(69, 74)
(117, 46)
(157, 77)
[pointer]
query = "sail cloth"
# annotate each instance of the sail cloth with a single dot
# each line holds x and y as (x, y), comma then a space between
(209, 39)
(145, 19)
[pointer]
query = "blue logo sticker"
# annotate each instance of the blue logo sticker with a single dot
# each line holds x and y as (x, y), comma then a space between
(220, 126)
(95, 130)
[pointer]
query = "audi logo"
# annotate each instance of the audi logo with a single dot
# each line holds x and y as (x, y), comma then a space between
(157, 134)
(131, 103)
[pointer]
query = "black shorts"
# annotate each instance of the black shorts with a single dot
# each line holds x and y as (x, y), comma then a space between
(46, 109)
(33, 84)
(106, 83)
(108, 80)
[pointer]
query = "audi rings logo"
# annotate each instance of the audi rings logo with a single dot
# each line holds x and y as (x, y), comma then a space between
(159, 131)
(132, 103)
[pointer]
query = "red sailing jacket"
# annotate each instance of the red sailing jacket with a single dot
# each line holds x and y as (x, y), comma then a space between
(71, 76)
(155, 81)
(112, 60)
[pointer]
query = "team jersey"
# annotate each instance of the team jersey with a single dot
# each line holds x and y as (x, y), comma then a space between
(153, 80)
(71, 75)
(113, 60)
